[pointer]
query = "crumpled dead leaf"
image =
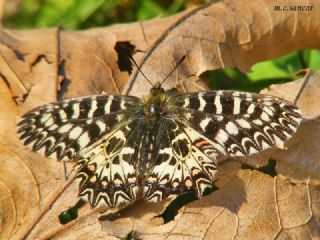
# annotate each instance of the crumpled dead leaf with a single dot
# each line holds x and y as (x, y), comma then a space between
(248, 204)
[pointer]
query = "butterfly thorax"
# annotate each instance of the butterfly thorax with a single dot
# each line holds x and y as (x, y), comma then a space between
(154, 105)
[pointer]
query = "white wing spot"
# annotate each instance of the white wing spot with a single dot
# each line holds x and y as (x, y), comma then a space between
(93, 108)
(188, 116)
(269, 111)
(42, 150)
(243, 123)
(53, 127)
(265, 145)
(258, 122)
(277, 140)
(296, 110)
(235, 94)
(217, 103)
(219, 118)
(75, 133)
(252, 151)
(108, 105)
(84, 140)
(76, 110)
(251, 108)
(101, 125)
(236, 105)
(186, 102)
(122, 105)
(120, 117)
(232, 128)
(204, 123)
(222, 136)
(282, 105)
(45, 117)
(65, 128)
(62, 114)
(265, 117)
(53, 155)
(295, 119)
(292, 127)
(202, 102)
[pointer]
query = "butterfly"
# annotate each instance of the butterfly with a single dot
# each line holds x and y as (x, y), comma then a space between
(159, 146)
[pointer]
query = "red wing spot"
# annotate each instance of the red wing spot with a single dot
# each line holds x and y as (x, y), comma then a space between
(201, 143)
(92, 167)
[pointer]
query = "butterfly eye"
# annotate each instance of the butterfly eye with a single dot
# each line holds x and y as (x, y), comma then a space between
(152, 91)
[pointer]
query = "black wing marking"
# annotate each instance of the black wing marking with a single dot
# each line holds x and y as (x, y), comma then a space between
(237, 123)
(184, 161)
(61, 130)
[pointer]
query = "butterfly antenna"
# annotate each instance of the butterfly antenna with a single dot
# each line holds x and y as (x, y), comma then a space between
(140, 69)
(180, 61)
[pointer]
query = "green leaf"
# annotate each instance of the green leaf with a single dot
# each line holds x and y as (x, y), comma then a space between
(268, 69)
(68, 13)
(150, 9)
(260, 84)
(175, 7)
(312, 58)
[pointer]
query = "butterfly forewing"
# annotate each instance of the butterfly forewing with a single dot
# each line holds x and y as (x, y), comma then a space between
(237, 123)
(61, 130)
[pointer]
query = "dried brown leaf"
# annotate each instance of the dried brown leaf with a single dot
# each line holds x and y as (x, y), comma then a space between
(226, 34)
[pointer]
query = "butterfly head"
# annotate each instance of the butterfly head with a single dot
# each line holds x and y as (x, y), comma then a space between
(156, 89)
(154, 103)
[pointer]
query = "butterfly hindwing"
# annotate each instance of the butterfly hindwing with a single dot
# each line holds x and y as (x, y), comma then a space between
(184, 161)
(61, 130)
(238, 123)
(108, 168)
